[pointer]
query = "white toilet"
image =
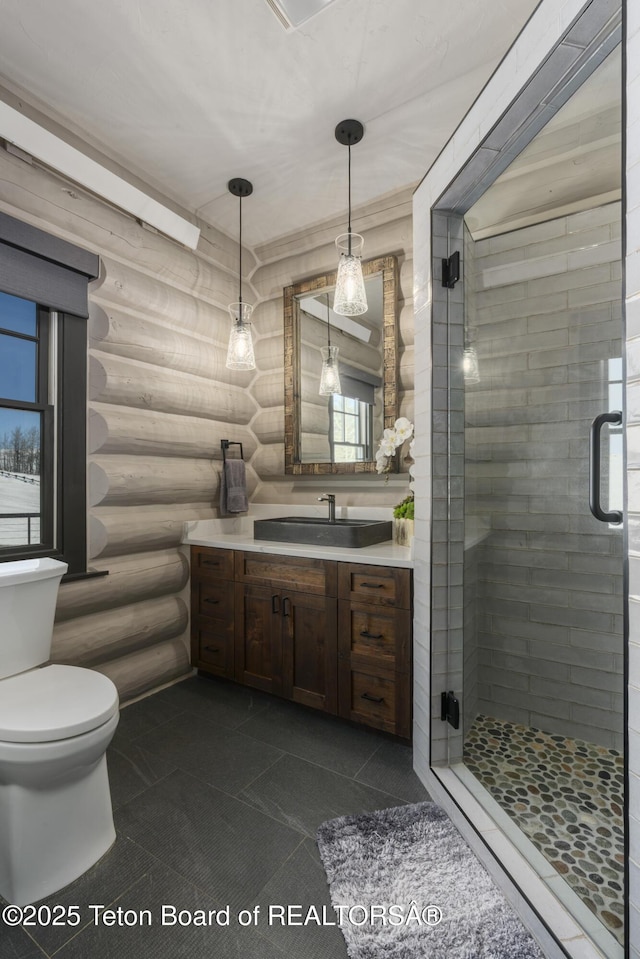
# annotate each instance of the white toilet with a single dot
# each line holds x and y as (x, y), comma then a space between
(55, 725)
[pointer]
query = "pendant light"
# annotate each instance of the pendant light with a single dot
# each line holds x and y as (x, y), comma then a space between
(240, 354)
(470, 369)
(330, 374)
(350, 297)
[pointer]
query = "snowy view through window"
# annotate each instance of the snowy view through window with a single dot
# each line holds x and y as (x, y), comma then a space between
(19, 483)
(20, 426)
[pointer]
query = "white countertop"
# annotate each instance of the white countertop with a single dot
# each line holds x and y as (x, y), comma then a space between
(236, 532)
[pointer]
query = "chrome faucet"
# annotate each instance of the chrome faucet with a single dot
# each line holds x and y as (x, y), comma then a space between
(331, 500)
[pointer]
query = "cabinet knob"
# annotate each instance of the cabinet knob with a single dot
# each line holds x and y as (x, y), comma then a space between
(372, 699)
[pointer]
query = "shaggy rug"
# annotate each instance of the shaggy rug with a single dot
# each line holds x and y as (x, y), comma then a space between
(406, 886)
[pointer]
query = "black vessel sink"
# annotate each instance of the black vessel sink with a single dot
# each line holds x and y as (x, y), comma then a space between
(318, 531)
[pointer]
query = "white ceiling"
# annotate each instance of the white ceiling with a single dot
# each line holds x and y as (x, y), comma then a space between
(187, 94)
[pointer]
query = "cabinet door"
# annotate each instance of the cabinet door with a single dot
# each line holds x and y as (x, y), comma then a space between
(212, 625)
(310, 650)
(258, 644)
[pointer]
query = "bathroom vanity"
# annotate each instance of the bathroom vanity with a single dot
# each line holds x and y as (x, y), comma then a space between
(334, 635)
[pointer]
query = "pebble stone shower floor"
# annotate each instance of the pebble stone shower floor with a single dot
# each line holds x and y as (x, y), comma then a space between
(567, 797)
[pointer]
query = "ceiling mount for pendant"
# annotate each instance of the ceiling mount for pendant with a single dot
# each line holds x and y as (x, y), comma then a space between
(349, 132)
(240, 187)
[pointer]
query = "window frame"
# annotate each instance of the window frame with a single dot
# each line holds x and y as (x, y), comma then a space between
(62, 440)
(55, 274)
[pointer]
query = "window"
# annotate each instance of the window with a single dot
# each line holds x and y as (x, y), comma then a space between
(351, 429)
(26, 423)
(43, 355)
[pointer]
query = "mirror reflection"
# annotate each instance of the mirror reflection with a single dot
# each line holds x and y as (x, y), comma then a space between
(340, 373)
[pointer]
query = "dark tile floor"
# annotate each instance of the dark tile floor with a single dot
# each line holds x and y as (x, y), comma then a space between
(217, 794)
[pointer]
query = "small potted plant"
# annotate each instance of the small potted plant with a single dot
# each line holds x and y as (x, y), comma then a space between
(403, 516)
(392, 440)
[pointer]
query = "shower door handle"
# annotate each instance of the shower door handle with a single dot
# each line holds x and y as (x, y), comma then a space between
(614, 515)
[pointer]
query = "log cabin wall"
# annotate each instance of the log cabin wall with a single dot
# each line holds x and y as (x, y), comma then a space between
(160, 399)
(386, 225)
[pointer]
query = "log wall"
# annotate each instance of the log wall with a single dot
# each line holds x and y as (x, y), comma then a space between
(160, 399)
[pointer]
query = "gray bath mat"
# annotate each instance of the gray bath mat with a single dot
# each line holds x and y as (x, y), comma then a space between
(413, 858)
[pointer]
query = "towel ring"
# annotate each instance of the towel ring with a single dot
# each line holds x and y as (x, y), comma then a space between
(224, 446)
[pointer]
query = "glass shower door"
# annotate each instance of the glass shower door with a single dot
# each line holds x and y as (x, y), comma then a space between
(538, 361)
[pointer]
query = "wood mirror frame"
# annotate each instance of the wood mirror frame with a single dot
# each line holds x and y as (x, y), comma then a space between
(387, 266)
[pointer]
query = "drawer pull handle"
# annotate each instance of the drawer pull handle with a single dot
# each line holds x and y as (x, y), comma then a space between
(212, 602)
(275, 603)
(212, 649)
(372, 585)
(368, 635)
(211, 562)
(372, 699)
(286, 606)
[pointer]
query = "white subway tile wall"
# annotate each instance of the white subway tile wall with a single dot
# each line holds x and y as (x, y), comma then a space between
(543, 377)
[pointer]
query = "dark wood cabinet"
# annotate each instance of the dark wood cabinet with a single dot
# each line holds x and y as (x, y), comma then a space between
(331, 635)
(212, 612)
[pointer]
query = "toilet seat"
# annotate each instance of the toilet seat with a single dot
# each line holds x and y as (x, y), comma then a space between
(53, 703)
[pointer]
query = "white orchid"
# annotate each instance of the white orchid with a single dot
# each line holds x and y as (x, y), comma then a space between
(393, 438)
(403, 429)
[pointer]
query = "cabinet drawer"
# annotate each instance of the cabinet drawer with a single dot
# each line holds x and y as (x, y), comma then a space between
(212, 598)
(379, 585)
(376, 634)
(376, 698)
(373, 700)
(212, 647)
(207, 561)
(301, 573)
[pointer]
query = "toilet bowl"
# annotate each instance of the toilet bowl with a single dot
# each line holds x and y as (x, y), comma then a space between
(55, 725)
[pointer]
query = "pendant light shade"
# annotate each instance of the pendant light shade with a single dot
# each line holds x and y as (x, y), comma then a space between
(240, 355)
(330, 373)
(350, 296)
(470, 369)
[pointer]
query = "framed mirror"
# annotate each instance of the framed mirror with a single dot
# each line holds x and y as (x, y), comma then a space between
(339, 432)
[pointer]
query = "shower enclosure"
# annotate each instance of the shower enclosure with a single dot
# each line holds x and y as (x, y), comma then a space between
(543, 578)
(528, 461)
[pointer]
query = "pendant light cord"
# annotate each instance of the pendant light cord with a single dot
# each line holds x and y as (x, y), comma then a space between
(240, 258)
(349, 178)
(328, 321)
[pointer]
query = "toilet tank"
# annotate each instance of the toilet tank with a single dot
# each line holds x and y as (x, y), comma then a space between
(28, 594)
